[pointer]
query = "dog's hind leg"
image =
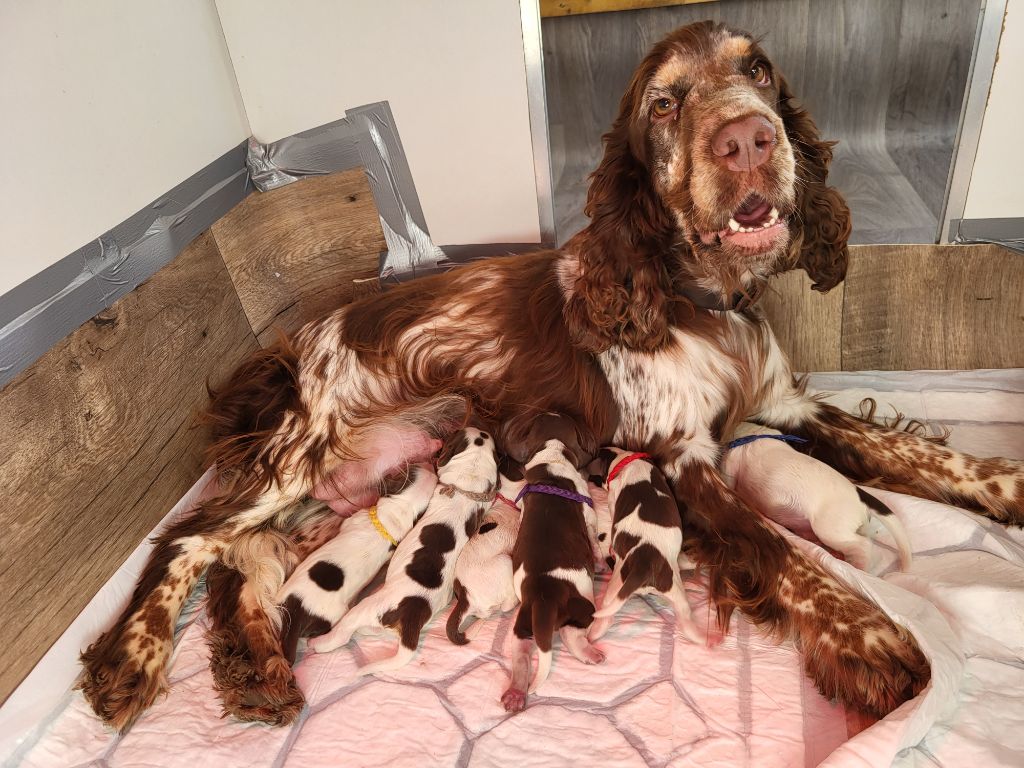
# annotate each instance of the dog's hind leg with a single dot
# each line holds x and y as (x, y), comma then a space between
(576, 642)
(514, 697)
(685, 624)
(364, 614)
(408, 618)
(124, 669)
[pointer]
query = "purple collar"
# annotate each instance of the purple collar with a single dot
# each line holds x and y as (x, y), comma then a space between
(552, 490)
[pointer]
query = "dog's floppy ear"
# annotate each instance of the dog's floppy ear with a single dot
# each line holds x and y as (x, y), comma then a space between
(615, 298)
(819, 248)
(456, 443)
(510, 468)
(597, 470)
(517, 438)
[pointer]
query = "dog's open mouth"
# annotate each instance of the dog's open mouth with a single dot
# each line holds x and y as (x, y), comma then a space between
(755, 226)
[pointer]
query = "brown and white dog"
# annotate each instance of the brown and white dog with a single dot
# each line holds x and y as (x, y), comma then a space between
(483, 573)
(553, 558)
(641, 328)
(319, 591)
(646, 539)
(419, 579)
(802, 494)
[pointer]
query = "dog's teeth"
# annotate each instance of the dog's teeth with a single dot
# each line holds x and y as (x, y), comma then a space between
(734, 225)
(773, 214)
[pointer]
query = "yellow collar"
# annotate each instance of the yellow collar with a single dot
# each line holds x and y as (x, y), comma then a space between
(380, 527)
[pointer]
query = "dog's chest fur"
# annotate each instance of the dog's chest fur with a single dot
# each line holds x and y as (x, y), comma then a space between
(677, 393)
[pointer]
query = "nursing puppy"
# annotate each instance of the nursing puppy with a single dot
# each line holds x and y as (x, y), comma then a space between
(483, 572)
(800, 492)
(318, 593)
(553, 557)
(646, 539)
(419, 578)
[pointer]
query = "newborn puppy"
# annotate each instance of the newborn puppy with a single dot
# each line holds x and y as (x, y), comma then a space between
(419, 578)
(483, 572)
(798, 492)
(646, 539)
(318, 593)
(553, 557)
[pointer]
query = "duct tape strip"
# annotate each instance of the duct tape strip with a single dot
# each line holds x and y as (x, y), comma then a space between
(47, 307)
(365, 137)
(1008, 233)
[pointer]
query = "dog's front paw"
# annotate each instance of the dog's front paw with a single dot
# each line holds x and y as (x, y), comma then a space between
(121, 684)
(514, 700)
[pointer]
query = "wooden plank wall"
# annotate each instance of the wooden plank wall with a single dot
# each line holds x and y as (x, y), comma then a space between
(906, 307)
(99, 438)
(550, 8)
(294, 252)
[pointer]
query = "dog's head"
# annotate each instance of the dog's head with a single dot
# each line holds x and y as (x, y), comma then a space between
(711, 168)
(526, 436)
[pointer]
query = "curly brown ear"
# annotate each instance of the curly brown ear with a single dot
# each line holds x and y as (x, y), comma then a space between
(617, 293)
(819, 248)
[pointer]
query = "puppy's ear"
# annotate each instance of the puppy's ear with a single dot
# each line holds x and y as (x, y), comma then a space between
(819, 248)
(510, 468)
(598, 468)
(586, 445)
(455, 444)
(516, 437)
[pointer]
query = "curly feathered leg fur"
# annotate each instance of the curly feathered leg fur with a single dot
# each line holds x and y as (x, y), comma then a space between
(851, 649)
(123, 671)
(250, 671)
(905, 461)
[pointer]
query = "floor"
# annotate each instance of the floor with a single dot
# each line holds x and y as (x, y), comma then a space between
(884, 77)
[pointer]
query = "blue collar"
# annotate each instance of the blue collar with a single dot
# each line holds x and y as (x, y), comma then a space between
(751, 438)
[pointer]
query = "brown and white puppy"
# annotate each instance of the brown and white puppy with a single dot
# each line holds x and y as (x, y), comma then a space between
(803, 494)
(646, 539)
(419, 579)
(553, 556)
(483, 573)
(319, 591)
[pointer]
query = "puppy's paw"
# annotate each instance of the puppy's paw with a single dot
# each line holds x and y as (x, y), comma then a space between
(591, 654)
(514, 700)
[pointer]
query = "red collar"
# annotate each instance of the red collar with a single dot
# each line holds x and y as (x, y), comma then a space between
(622, 464)
(508, 501)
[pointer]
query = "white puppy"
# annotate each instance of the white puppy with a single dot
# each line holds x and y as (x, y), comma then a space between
(483, 573)
(798, 492)
(420, 576)
(319, 591)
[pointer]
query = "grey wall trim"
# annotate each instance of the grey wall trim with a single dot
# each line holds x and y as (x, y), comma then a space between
(972, 114)
(1005, 232)
(365, 137)
(47, 307)
(536, 95)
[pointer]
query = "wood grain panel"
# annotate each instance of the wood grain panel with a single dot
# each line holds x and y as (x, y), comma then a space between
(550, 8)
(99, 443)
(933, 307)
(808, 324)
(293, 252)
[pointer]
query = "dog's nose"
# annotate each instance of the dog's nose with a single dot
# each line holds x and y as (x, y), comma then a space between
(744, 144)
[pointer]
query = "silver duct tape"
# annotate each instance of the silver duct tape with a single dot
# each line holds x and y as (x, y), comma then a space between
(1008, 233)
(43, 310)
(366, 137)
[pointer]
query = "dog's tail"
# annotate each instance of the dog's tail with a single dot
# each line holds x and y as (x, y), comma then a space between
(545, 616)
(885, 516)
(455, 634)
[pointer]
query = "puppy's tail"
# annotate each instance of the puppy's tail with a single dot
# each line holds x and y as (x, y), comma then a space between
(545, 615)
(885, 516)
(455, 634)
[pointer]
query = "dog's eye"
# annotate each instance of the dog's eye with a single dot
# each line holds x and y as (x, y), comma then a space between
(664, 107)
(760, 73)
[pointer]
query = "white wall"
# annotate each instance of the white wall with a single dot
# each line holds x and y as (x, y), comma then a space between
(106, 105)
(452, 71)
(999, 164)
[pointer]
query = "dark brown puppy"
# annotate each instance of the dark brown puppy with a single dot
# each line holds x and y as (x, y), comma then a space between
(553, 563)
